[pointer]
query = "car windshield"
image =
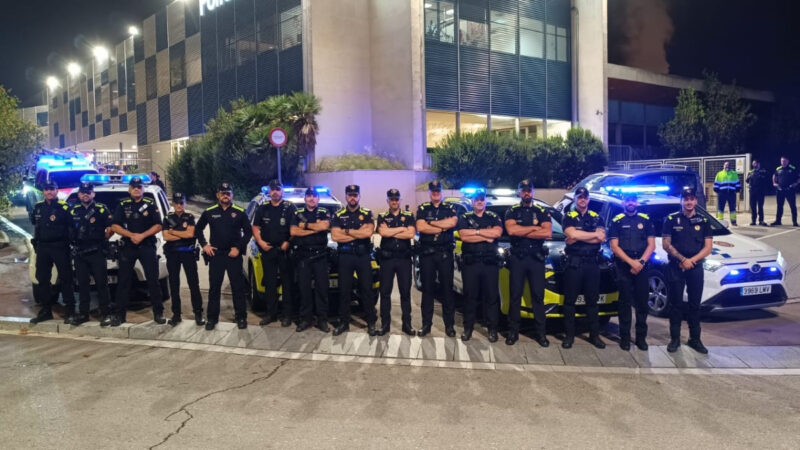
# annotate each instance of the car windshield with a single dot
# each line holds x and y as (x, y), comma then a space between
(594, 182)
(657, 213)
(68, 178)
(109, 198)
(677, 181)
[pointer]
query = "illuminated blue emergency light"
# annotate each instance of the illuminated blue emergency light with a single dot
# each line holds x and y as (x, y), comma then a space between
(735, 272)
(106, 178)
(503, 192)
(635, 189)
(95, 178)
(56, 162)
(471, 190)
(322, 189)
(773, 269)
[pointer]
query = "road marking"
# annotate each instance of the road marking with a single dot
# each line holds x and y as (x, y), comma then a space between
(774, 235)
(16, 227)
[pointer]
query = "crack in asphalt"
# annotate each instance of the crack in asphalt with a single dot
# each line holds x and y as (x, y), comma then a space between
(185, 407)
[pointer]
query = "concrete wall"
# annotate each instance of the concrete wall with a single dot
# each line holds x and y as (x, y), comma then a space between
(590, 56)
(374, 184)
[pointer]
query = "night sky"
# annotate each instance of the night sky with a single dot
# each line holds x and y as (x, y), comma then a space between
(746, 40)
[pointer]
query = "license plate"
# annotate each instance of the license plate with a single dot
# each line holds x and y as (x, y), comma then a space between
(333, 283)
(601, 300)
(756, 290)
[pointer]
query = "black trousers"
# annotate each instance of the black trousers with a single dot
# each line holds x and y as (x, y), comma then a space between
(146, 255)
(633, 293)
(531, 270)
(360, 265)
(391, 268)
(176, 260)
(480, 286)
(47, 256)
(220, 264)
(692, 281)
(277, 261)
(789, 196)
(756, 206)
(93, 264)
(438, 264)
(582, 277)
(313, 271)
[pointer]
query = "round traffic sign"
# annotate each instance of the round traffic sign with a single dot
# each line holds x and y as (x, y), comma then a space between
(278, 137)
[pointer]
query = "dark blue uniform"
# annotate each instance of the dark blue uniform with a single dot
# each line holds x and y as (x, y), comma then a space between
(480, 272)
(181, 253)
(51, 222)
(354, 257)
(787, 178)
(582, 274)
(436, 262)
(758, 182)
(275, 222)
(310, 255)
(88, 235)
(395, 260)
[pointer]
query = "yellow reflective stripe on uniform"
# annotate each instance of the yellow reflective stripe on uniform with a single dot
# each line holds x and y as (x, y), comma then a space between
(618, 217)
(237, 207)
(212, 207)
(340, 212)
(592, 213)
(644, 216)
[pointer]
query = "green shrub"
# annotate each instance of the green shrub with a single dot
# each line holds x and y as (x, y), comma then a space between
(180, 171)
(357, 162)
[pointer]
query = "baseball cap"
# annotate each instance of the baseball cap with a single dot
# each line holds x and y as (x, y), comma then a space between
(311, 191)
(275, 185)
(49, 185)
(581, 192)
(688, 192)
(525, 185)
(352, 189)
(86, 188)
(479, 194)
(135, 182)
(225, 187)
(435, 186)
(178, 197)
(393, 194)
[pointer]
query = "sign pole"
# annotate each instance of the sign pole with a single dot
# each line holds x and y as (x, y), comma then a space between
(278, 150)
(278, 138)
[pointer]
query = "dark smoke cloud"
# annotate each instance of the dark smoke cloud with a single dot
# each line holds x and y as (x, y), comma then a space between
(646, 32)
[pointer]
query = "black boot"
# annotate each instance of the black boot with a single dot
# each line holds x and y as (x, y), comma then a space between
(673, 345)
(466, 335)
(198, 318)
(44, 315)
(408, 330)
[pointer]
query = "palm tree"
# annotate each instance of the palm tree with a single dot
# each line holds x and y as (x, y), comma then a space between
(304, 110)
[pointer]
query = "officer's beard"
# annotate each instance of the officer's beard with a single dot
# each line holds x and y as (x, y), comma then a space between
(630, 209)
(527, 201)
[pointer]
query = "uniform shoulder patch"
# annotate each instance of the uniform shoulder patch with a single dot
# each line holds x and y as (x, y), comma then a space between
(516, 206)
(425, 205)
(491, 214)
(340, 212)
(322, 210)
(365, 211)
(573, 214)
(592, 213)
(618, 217)
(643, 215)
(383, 214)
(147, 200)
(237, 207)
(540, 207)
(212, 207)
(406, 213)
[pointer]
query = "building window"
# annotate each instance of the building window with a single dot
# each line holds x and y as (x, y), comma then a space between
(41, 119)
(531, 128)
(471, 123)
(473, 34)
(177, 146)
(557, 43)
(150, 77)
(266, 34)
(439, 125)
(177, 67)
(291, 28)
(440, 21)
(504, 125)
(114, 94)
(531, 37)
(503, 32)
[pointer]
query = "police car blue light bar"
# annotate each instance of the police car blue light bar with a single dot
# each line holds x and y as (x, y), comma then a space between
(503, 192)
(635, 189)
(95, 178)
(470, 190)
(110, 178)
(322, 189)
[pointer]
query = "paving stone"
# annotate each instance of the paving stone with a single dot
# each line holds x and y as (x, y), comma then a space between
(539, 355)
(613, 356)
(152, 330)
(369, 346)
(94, 329)
(789, 357)
(655, 356)
(402, 346)
(307, 341)
(23, 324)
(271, 339)
(182, 332)
(581, 355)
(474, 350)
(723, 357)
(437, 348)
(212, 336)
(756, 357)
(685, 357)
(241, 338)
(508, 354)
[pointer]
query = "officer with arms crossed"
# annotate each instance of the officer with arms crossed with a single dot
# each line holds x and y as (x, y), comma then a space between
(138, 221)
(758, 181)
(479, 230)
(585, 232)
(435, 222)
(230, 233)
(727, 185)
(180, 250)
(786, 179)
(528, 225)
(352, 228)
(687, 240)
(51, 222)
(631, 237)
(89, 233)
(271, 224)
(309, 232)
(397, 229)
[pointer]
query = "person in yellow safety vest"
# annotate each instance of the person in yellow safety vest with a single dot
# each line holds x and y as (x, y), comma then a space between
(726, 185)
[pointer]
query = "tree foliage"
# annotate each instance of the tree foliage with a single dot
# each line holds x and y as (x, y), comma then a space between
(19, 140)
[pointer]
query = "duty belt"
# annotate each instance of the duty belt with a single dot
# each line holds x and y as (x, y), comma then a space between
(188, 248)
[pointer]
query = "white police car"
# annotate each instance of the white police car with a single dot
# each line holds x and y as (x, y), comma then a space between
(741, 272)
(63, 168)
(110, 190)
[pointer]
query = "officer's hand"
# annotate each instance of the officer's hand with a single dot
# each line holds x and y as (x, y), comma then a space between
(571, 240)
(265, 246)
(233, 253)
(636, 267)
(285, 246)
(136, 238)
(209, 250)
(687, 264)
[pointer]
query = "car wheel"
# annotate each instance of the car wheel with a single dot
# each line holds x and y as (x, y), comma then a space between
(257, 300)
(164, 285)
(417, 274)
(657, 301)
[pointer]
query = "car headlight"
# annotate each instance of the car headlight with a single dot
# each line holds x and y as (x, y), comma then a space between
(781, 261)
(711, 265)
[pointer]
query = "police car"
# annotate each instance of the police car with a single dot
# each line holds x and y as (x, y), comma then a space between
(741, 273)
(65, 169)
(110, 190)
(254, 267)
(499, 201)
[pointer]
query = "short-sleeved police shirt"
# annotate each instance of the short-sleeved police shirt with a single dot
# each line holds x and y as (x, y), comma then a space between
(89, 223)
(688, 233)
(590, 221)
(400, 220)
(527, 216)
(318, 239)
(275, 221)
(786, 176)
(352, 220)
(176, 222)
(228, 228)
(632, 232)
(430, 213)
(137, 217)
(473, 221)
(52, 221)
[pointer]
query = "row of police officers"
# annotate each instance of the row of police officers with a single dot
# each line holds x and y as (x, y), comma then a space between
(292, 243)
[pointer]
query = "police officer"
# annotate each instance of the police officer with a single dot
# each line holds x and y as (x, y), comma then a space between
(157, 181)
(786, 179)
(479, 230)
(229, 234)
(687, 240)
(727, 185)
(758, 181)
(352, 228)
(137, 220)
(631, 237)
(309, 232)
(436, 221)
(181, 251)
(397, 229)
(271, 224)
(91, 228)
(51, 221)
(585, 232)
(528, 225)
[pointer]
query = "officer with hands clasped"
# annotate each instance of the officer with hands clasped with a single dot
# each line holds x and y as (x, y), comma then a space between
(181, 251)
(687, 239)
(397, 230)
(786, 180)
(230, 232)
(528, 225)
(137, 220)
(631, 237)
(436, 221)
(91, 228)
(309, 232)
(352, 229)
(479, 230)
(585, 233)
(271, 224)
(51, 222)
